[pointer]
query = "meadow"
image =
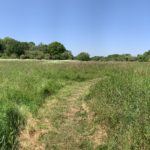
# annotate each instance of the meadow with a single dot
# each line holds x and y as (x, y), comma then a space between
(74, 105)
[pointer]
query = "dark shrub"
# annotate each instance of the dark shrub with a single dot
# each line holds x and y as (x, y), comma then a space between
(83, 56)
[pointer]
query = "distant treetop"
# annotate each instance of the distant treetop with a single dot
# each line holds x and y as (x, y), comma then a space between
(11, 48)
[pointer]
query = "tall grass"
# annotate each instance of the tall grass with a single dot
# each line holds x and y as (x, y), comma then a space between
(25, 85)
(121, 101)
(12, 123)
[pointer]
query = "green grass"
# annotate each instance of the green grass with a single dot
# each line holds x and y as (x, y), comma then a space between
(25, 85)
(120, 100)
(122, 103)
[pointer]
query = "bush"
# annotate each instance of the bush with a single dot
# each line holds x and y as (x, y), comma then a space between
(83, 56)
(47, 56)
(66, 55)
(97, 58)
(56, 48)
(13, 56)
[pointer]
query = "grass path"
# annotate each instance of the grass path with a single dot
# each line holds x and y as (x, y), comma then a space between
(64, 123)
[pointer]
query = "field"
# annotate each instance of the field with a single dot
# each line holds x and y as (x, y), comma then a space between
(66, 105)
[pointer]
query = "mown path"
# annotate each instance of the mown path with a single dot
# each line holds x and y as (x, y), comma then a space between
(64, 123)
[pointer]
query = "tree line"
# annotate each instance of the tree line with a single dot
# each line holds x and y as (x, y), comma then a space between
(11, 48)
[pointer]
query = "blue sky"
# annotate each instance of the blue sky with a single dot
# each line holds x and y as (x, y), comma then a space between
(100, 27)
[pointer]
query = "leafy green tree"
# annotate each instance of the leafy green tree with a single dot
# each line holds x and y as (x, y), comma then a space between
(126, 57)
(34, 54)
(113, 57)
(97, 58)
(56, 48)
(83, 56)
(42, 47)
(144, 57)
(13, 47)
(31, 46)
(2, 46)
(118, 57)
(47, 56)
(10, 47)
(24, 46)
(66, 55)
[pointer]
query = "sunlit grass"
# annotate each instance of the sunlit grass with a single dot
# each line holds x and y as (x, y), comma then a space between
(27, 84)
(120, 98)
(122, 103)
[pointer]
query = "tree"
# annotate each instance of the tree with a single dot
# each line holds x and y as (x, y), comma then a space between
(66, 55)
(42, 47)
(56, 48)
(34, 54)
(118, 57)
(83, 56)
(145, 57)
(2, 46)
(113, 57)
(97, 58)
(13, 47)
